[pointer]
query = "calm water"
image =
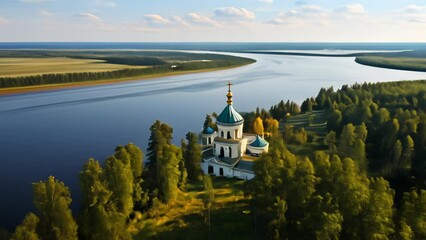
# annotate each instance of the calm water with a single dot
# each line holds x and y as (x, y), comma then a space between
(54, 133)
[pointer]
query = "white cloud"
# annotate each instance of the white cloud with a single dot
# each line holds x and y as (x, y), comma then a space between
(354, 8)
(266, 1)
(105, 3)
(89, 16)
(155, 19)
(233, 12)
(412, 14)
(45, 13)
(3, 21)
(198, 19)
(414, 9)
(303, 15)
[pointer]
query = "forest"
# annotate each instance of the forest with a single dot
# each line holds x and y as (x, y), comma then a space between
(151, 63)
(363, 179)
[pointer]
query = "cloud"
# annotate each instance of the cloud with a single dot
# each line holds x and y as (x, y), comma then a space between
(155, 19)
(412, 14)
(354, 8)
(45, 13)
(233, 12)
(198, 19)
(303, 15)
(105, 3)
(3, 21)
(89, 16)
(414, 9)
(266, 1)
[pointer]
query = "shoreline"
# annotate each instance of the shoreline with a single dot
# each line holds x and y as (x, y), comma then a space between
(63, 86)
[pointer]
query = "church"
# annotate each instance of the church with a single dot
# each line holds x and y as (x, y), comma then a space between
(228, 151)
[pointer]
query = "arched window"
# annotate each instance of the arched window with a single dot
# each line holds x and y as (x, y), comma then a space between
(230, 152)
(236, 133)
(221, 134)
(222, 152)
(229, 135)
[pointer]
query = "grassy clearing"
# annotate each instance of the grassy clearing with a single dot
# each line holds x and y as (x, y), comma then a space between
(12, 67)
(315, 125)
(185, 218)
(401, 63)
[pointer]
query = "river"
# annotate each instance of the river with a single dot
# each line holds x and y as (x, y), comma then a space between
(55, 132)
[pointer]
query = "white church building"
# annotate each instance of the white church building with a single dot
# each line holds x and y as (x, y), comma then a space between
(228, 151)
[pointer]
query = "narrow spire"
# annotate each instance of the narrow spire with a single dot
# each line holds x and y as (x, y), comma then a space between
(229, 95)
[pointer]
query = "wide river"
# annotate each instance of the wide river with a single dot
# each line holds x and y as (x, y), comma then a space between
(54, 133)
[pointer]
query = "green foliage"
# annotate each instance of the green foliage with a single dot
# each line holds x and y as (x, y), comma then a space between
(401, 63)
(52, 199)
(169, 174)
(281, 110)
(27, 230)
(414, 213)
(161, 135)
(192, 156)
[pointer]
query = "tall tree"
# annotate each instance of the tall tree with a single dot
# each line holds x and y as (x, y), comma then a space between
(161, 135)
(258, 126)
(52, 199)
(377, 222)
(192, 155)
(169, 174)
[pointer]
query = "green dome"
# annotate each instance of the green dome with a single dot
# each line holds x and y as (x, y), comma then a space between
(230, 116)
(259, 142)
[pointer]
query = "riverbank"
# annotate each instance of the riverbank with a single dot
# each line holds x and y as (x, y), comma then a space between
(407, 64)
(61, 86)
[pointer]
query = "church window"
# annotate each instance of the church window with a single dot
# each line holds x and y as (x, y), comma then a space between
(221, 134)
(229, 135)
(230, 152)
(222, 152)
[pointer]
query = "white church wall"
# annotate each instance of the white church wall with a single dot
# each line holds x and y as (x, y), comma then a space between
(231, 130)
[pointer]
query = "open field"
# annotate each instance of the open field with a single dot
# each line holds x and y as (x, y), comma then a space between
(400, 63)
(315, 125)
(185, 218)
(31, 69)
(13, 67)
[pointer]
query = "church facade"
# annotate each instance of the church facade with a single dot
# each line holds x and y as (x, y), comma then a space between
(228, 151)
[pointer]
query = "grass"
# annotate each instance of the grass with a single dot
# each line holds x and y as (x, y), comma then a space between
(401, 63)
(13, 67)
(185, 218)
(315, 125)
(27, 70)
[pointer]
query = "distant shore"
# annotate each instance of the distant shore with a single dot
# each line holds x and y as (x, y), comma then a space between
(61, 86)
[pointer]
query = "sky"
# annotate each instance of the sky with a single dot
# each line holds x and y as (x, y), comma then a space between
(213, 20)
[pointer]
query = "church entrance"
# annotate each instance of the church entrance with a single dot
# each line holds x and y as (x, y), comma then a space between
(221, 171)
(222, 152)
(210, 170)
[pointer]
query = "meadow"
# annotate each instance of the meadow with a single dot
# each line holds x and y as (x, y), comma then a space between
(14, 67)
(34, 68)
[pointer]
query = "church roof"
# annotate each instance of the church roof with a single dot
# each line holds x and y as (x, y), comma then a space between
(208, 130)
(259, 142)
(229, 115)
